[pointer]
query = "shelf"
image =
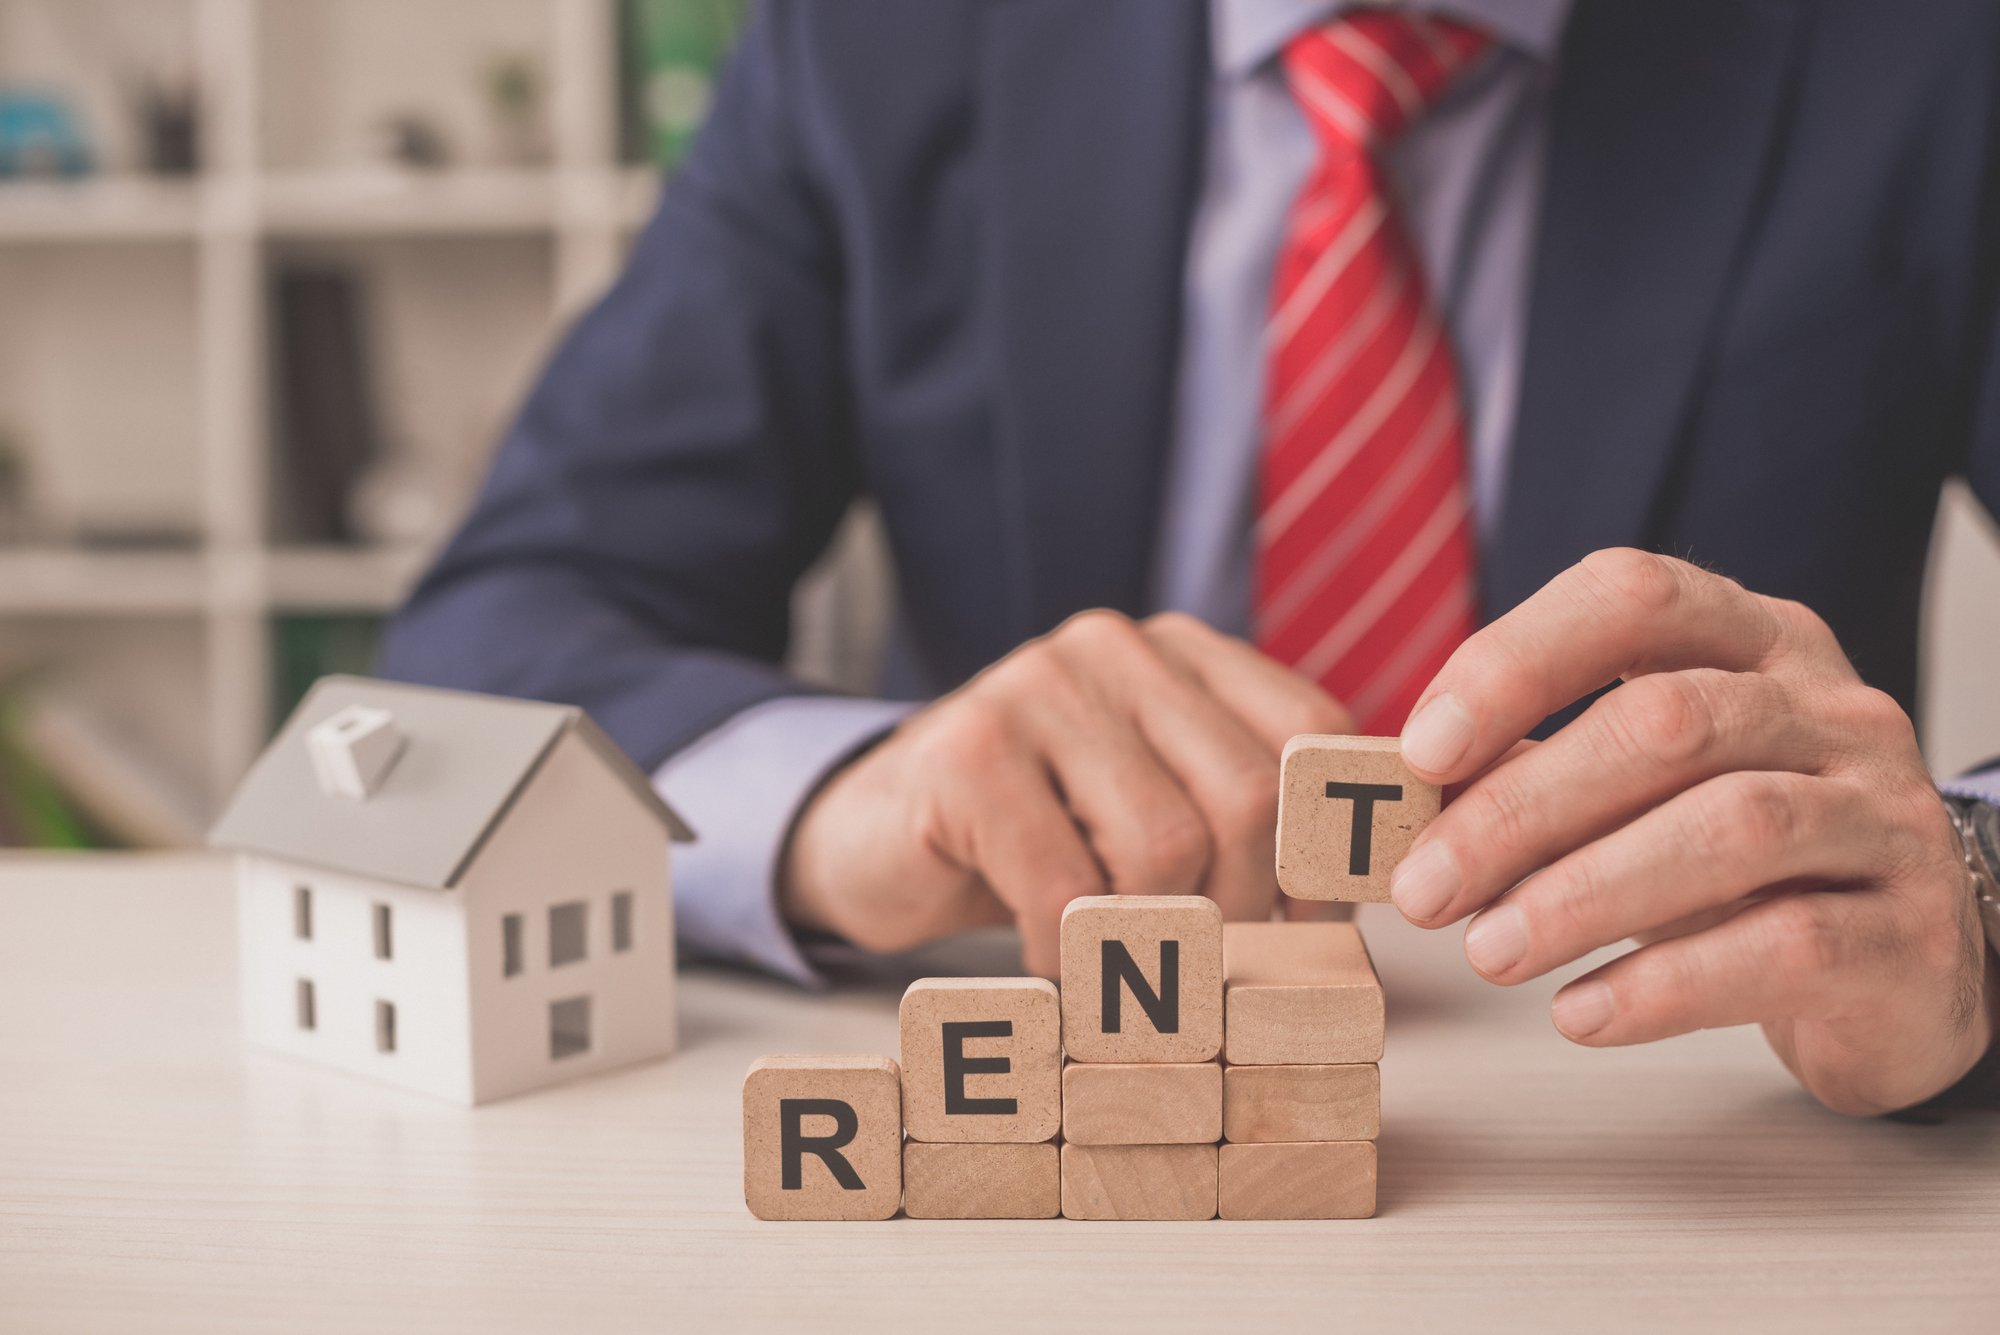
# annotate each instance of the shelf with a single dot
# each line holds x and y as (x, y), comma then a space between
(345, 203)
(60, 582)
(403, 203)
(339, 579)
(105, 208)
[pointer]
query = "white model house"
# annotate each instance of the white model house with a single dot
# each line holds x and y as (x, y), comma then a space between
(458, 893)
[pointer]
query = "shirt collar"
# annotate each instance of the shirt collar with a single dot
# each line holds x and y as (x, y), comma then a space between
(1246, 33)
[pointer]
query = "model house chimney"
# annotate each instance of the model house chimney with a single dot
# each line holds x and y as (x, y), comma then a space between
(353, 751)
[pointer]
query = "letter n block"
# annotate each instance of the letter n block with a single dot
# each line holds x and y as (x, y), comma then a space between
(982, 1060)
(823, 1138)
(1142, 978)
(1348, 810)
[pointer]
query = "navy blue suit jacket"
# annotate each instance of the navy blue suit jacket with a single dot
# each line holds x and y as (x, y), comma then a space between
(931, 251)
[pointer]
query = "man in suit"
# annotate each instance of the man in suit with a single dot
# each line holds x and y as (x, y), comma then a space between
(1218, 366)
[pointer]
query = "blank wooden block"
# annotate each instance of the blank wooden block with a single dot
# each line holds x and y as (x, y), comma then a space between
(982, 1059)
(1138, 1181)
(1299, 994)
(823, 1138)
(1280, 1103)
(1348, 810)
(993, 1181)
(1142, 1103)
(1142, 978)
(1324, 1180)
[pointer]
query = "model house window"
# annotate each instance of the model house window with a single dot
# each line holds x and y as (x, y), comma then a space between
(510, 945)
(385, 1026)
(621, 920)
(302, 912)
(308, 1012)
(569, 1027)
(385, 946)
(566, 928)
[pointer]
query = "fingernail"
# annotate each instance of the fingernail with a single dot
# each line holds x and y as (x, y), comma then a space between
(1497, 939)
(1582, 1009)
(1438, 737)
(1424, 882)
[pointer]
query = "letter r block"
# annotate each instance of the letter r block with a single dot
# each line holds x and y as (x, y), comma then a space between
(1142, 978)
(1348, 811)
(823, 1138)
(982, 1060)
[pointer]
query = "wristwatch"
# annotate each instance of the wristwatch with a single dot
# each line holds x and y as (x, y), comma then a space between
(1978, 825)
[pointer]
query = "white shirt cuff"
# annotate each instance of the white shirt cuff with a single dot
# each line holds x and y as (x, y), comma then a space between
(741, 786)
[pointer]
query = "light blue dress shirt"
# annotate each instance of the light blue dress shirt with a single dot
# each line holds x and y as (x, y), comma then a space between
(1468, 178)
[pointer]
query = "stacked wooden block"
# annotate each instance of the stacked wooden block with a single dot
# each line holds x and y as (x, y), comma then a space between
(1187, 1069)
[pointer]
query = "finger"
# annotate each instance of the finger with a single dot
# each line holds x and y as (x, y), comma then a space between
(1630, 751)
(1142, 824)
(1274, 701)
(1818, 955)
(1707, 848)
(1615, 614)
(1226, 771)
(1457, 790)
(1133, 810)
(1004, 821)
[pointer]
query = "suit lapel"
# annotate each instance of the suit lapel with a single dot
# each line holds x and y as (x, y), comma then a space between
(1664, 117)
(1090, 113)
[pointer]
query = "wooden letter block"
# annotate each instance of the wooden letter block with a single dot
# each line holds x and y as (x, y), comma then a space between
(1142, 978)
(981, 1181)
(1279, 1103)
(1138, 1181)
(1299, 993)
(1347, 812)
(982, 1059)
(823, 1138)
(1142, 1103)
(1325, 1180)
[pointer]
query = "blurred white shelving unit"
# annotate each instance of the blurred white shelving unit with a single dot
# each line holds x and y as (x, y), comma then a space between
(479, 265)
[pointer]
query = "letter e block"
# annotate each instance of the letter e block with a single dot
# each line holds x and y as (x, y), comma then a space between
(1142, 978)
(982, 1059)
(823, 1138)
(1348, 810)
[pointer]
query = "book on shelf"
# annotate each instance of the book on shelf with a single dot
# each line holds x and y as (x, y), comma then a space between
(673, 52)
(326, 422)
(306, 647)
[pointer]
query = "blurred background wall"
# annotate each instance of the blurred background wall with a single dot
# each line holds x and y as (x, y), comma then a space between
(273, 276)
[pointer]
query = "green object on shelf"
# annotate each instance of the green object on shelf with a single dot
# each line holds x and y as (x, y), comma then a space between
(33, 810)
(673, 51)
(306, 648)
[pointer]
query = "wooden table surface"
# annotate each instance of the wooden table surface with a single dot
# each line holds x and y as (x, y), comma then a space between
(154, 1176)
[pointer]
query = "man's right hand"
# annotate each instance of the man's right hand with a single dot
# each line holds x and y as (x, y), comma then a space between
(1107, 757)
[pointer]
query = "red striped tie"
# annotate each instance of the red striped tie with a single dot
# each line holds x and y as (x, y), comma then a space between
(1365, 549)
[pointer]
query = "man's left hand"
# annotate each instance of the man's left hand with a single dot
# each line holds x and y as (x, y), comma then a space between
(1744, 805)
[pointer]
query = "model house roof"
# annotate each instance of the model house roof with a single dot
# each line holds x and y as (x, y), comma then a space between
(403, 783)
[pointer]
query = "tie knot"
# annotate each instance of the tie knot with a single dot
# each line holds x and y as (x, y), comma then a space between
(1363, 78)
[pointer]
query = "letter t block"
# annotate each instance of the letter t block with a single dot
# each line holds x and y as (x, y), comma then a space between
(1348, 811)
(823, 1138)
